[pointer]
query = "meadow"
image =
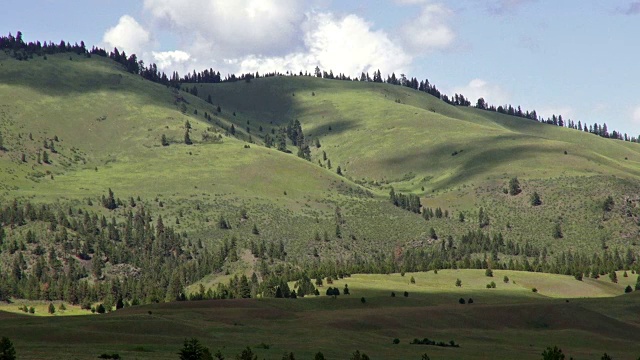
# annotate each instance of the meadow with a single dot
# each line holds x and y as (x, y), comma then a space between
(585, 319)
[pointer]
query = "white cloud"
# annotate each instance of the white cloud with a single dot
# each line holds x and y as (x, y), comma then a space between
(429, 30)
(127, 35)
(168, 59)
(343, 44)
(232, 28)
(478, 88)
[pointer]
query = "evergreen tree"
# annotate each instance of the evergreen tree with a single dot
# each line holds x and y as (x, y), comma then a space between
(52, 309)
(535, 199)
(514, 186)
(552, 354)
(45, 157)
(7, 352)
(187, 138)
(164, 140)
(1, 142)
(193, 350)
(339, 171)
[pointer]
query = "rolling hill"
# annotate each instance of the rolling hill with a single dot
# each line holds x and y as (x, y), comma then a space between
(106, 126)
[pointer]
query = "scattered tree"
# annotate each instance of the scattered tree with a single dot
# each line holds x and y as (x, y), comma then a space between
(514, 186)
(535, 199)
(554, 353)
(193, 350)
(7, 351)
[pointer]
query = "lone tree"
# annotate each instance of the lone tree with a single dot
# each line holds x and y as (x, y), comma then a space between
(1, 143)
(193, 350)
(187, 138)
(7, 352)
(514, 186)
(164, 140)
(608, 203)
(554, 353)
(52, 309)
(535, 199)
(557, 231)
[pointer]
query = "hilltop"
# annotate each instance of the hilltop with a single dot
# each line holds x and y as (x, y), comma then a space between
(276, 214)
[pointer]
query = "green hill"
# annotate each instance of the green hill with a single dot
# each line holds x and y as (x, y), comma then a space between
(106, 126)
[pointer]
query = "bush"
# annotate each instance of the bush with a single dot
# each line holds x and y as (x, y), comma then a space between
(413, 280)
(628, 289)
(393, 294)
(534, 290)
(461, 301)
(396, 341)
(470, 301)
(7, 352)
(458, 283)
(52, 309)
(100, 309)
(406, 294)
(32, 310)
(488, 273)
(505, 279)
(363, 300)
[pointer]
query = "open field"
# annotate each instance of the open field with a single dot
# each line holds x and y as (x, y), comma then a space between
(502, 321)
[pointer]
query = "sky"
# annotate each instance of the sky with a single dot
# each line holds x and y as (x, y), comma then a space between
(576, 58)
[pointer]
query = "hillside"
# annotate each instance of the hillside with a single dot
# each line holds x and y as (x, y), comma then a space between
(257, 209)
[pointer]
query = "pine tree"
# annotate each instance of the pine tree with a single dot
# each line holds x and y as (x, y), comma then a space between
(1, 143)
(164, 140)
(339, 171)
(7, 351)
(45, 157)
(187, 138)
(514, 186)
(535, 199)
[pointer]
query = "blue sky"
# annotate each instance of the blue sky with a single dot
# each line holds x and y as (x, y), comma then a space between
(571, 57)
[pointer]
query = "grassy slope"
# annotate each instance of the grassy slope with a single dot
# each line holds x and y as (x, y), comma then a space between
(501, 321)
(409, 144)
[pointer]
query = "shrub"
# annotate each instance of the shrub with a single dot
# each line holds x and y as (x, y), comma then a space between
(100, 309)
(488, 273)
(192, 349)
(52, 309)
(396, 341)
(628, 289)
(470, 301)
(505, 279)
(406, 294)
(32, 310)
(7, 352)
(458, 283)
(413, 280)
(393, 294)
(363, 300)
(461, 301)
(534, 290)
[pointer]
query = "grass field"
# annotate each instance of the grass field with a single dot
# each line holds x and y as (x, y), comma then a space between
(509, 319)
(108, 124)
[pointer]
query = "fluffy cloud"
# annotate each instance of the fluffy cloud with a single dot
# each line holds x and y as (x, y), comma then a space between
(170, 59)
(478, 88)
(232, 28)
(343, 44)
(127, 35)
(429, 30)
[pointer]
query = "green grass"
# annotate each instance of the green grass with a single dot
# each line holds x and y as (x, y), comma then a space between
(109, 124)
(502, 321)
